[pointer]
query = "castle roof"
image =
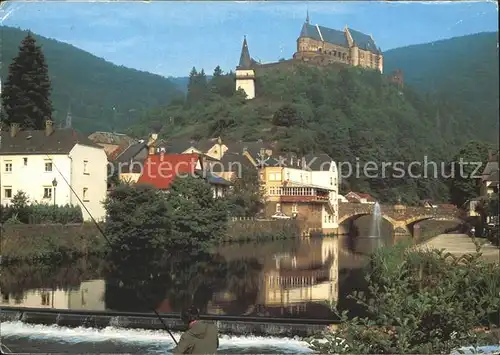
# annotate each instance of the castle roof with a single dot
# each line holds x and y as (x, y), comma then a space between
(325, 34)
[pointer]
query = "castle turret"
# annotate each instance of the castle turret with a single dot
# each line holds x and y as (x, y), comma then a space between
(245, 75)
(353, 48)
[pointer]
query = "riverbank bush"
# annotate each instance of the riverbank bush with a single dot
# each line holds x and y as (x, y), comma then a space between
(49, 242)
(261, 230)
(21, 211)
(420, 302)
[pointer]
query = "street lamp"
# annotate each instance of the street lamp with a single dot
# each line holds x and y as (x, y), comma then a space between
(54, 184)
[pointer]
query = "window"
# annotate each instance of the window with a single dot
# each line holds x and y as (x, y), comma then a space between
(331, 180)
(85, 194)
(45, 298)
(47, 192)
(7, 192)
(8, 167)
(48, 166)
(295, 208)
(25, 160)
(278, 207)
(85, 163)
(277, 176)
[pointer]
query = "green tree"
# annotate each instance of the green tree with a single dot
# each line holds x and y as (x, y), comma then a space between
(198, 219)
(26, 92)
(247, 197)
(138, 221)
(463, 185)
(20, 206)
(285, 116)
(425, 302)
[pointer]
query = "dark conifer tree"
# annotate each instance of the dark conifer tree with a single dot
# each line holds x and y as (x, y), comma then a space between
(26, 92)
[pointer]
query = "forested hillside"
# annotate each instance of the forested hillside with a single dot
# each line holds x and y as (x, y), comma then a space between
(461, 70)
(91, 85)
(349, 113)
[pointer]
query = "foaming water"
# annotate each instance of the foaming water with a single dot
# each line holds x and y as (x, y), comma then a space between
(375, 227)
(21, 336)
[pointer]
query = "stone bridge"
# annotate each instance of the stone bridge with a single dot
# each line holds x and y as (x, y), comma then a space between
(401, 217)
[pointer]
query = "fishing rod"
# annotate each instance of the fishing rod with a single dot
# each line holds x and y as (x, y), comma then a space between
(106, 238)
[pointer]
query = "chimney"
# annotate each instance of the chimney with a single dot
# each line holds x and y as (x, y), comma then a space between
(151, 143)
(14, 129)
(49, 127)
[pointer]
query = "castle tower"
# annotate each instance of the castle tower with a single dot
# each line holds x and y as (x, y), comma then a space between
(353, 48)
(245, 75)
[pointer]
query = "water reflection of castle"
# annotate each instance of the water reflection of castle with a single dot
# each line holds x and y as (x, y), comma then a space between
(290, 281)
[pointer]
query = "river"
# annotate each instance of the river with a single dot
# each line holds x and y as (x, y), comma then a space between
(290, 278)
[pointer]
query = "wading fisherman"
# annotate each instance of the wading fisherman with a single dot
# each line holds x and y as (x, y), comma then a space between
(201, 337)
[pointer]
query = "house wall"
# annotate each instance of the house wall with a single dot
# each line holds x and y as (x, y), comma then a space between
(309, 215)
(89, 179)
(32, 178)
(272, 179)
(296, 175)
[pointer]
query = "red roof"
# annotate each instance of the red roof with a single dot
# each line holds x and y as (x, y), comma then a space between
(112, 155)
(161, 169)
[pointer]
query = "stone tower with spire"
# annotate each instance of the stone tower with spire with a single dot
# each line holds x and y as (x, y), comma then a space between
(245, 74)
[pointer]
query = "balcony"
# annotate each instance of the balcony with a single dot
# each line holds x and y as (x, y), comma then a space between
(303, 194)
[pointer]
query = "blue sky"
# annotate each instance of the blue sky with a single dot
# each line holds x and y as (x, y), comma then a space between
(169, 38)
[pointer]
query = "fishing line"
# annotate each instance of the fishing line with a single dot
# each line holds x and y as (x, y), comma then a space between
(105, 237)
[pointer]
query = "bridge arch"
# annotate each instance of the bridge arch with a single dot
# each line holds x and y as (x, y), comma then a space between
(413, 220)
(355, 216)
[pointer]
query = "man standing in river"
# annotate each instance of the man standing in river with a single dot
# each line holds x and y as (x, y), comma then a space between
(201, 337)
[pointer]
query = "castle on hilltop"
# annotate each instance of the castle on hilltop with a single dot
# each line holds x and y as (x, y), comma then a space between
(317, 45)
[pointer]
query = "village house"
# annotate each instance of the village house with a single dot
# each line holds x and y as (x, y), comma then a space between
(302, 188)
(160, 170)
(358, 197)
(110, 141)
(232, 166)
(46, 164)
(490, 176)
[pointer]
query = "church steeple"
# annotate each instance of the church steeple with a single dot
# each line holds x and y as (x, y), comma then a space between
(307, 17)
(245, 74)
(245, 60)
